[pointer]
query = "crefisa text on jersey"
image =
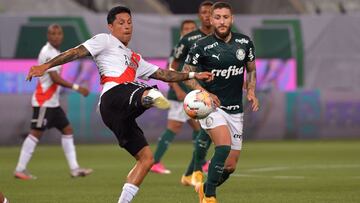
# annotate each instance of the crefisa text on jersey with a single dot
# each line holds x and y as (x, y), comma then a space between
(231, 71)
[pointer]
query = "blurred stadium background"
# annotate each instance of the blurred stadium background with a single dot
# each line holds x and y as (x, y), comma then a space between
(308, 56)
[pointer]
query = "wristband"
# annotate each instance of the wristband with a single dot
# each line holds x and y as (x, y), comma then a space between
(75, 87)
(191, 75)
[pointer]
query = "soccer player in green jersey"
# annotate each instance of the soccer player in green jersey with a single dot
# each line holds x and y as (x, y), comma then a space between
(177, 94)
(176, 115)
(225, 54)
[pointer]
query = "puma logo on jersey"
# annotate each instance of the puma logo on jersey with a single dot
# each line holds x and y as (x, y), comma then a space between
(226, 73)
(216, 56)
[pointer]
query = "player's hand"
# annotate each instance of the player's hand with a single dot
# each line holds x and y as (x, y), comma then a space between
(37, 71)
(253, 100)
(215, 99)
(205, 76)
(84, 91)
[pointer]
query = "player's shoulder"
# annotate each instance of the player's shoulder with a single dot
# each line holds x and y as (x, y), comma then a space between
(101, 37)
(241, 38)
(48, 51)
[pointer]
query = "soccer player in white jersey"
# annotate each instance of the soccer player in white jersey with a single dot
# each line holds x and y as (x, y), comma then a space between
(47, 112)
(122, 99)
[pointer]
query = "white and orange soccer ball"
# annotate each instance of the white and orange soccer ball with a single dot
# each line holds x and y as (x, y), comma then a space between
(198, 104)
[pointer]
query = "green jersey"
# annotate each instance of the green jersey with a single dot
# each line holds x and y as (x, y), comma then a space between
(180, 52)
(227, 61)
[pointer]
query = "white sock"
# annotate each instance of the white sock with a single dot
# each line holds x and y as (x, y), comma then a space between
(128, 193)
(67, 142)
(27, 149)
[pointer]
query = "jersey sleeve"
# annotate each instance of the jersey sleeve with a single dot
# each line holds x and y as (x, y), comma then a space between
(251, 52)
(96, 44)
(194, 56)
(145, 69)
(181, 49)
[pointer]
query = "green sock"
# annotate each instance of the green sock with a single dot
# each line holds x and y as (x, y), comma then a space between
(201, 148)
(226, 174)
(216, 169)
(190, 168)
(195, 134)
(166, 138)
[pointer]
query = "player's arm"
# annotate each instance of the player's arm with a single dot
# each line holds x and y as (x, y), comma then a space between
(174, 76)
(180, 93)
(56, 78)
(251, 84)
(193, 84)
(65, 57)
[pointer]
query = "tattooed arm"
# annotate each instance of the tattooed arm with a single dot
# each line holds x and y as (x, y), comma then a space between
(65, 57)
(174, 76)
(193, 84)
(251, 85)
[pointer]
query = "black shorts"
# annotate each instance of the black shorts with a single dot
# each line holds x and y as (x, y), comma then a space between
(119, 107)
(48, 117)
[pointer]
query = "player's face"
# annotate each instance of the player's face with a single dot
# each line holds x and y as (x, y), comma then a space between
(55, 36)
(187, 27)
(204, 15)
(222, 19)
(122, 27)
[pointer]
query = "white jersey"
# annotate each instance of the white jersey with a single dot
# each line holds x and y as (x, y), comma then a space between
(117, 63)
(47, 92)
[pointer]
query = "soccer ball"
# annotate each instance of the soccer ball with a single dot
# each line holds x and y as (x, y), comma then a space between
(198, 104)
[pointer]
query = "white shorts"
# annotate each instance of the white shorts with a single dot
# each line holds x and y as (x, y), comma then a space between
(235, 123)
(176, 112)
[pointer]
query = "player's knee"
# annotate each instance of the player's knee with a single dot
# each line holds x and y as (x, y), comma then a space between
(147, 160)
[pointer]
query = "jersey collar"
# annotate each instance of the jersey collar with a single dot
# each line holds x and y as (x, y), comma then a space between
(120, 43)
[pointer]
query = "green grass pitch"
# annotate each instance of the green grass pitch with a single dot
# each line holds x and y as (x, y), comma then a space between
(271, 172)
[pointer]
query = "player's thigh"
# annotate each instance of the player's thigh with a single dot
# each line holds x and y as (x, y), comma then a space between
(220, 135)
(217, 127)
(194, 124)
(174, 125)
(235, 123)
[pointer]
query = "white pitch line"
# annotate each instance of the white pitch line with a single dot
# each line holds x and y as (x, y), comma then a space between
(273, 177)
(317, 166)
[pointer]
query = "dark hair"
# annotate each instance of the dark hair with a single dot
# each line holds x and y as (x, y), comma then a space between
(219, 5)
(185, 22)
(205, 3)
(116, 10)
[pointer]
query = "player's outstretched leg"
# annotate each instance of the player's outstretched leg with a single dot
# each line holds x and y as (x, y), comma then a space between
(144, 161)
(27, 150)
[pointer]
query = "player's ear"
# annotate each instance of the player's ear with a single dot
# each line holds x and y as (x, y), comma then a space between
(110, 26)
